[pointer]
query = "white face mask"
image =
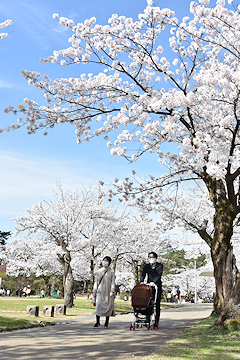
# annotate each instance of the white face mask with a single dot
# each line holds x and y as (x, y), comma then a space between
(152, 261)
(104, 263)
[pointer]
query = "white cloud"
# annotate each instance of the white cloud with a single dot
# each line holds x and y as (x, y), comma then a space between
(60, 29)
(6, 85)
(24, 181)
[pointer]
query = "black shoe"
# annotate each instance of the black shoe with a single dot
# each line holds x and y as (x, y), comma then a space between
(96, 325)
(105, 326)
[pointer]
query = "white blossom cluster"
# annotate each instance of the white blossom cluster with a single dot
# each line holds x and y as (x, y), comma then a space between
(30, 255)
(3, 25)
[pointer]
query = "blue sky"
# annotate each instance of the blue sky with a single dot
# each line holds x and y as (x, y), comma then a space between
(30, 165)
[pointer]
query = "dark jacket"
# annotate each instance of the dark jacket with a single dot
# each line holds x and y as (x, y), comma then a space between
(153, 274)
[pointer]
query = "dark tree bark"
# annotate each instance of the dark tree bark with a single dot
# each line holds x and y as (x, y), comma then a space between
(65, 261)
(47, 285)
(136, 274)
(68, 286)
(232, 309)
(225, 269)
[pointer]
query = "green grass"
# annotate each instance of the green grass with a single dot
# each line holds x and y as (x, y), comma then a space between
(9, 323)
(13, 310)
(202, 342)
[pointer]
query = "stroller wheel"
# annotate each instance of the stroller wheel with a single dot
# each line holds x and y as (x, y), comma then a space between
(141, 326)
(137, 326)
(131, 327)
(152, 327)
(148, 327)
(134, 327)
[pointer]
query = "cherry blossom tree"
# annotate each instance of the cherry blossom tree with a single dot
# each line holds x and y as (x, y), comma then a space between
(78, 227)
(101, 232)
(196, 110)
(139, 236)
(61, 221)
(131, 236)
(28, 256)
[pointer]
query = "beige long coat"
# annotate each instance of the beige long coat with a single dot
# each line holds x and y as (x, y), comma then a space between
(104, 303)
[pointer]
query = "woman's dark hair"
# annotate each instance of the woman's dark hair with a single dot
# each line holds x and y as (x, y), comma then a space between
(153, 253)
(108, 259)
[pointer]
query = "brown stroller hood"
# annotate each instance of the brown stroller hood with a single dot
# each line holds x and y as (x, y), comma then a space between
(141, 296)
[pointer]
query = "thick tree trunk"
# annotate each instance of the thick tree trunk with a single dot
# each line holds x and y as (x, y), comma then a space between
(65, 261)
(85, 286)
(225, 269)
(68, 285)
(225, 272)
(232, 309)
(227, 298)
(47, 286)
(217, 309)
(135, 268)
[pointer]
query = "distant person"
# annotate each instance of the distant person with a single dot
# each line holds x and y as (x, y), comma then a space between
(42, 293)
(28, 290)
(178, 294)
(169, 296)
(153, 271)
(103, 292)
(174, 297)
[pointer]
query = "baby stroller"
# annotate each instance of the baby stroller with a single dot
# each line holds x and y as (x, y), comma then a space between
(144, 305)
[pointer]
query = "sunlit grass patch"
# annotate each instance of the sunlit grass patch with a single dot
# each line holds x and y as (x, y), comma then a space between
(13, 322)
(202, 342)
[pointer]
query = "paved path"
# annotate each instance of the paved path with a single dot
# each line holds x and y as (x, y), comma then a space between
(79, 340)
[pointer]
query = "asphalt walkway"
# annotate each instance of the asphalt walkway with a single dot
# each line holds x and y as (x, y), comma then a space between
(79, 340)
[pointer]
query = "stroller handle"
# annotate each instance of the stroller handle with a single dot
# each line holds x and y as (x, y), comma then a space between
(156, 291)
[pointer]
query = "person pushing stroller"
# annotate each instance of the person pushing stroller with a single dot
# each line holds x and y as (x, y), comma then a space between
(152, 272)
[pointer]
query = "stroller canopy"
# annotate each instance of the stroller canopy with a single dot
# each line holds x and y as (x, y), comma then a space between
(141, 296)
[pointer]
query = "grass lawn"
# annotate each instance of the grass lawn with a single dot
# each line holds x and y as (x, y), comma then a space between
(13, 310)
(202, 342)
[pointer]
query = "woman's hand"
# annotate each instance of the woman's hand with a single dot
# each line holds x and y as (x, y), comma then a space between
(111, 294)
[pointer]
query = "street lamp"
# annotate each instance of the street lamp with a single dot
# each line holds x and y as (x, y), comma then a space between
(195, 267)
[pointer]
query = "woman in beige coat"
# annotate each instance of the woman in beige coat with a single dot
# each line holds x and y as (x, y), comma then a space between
(103, 292)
